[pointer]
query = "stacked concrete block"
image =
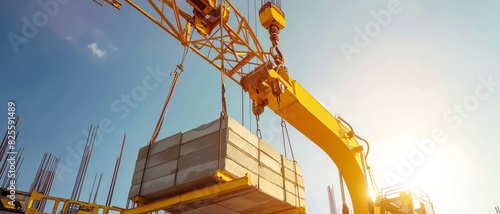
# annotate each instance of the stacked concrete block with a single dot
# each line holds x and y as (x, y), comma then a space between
(187, 161)
(158, 168)
(293, 183)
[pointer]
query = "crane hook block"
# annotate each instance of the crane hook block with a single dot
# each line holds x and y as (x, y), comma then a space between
(270, 14)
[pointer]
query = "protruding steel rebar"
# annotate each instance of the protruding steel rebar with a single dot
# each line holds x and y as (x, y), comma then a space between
(97, 189)
(115, 173)
(331, 200)
(87, 160)
(92, 189)
(345, 208)
(3, 150)
(78, 179)
(45, 177)
(82, 171)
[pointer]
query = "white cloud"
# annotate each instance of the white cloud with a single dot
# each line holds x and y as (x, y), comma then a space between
(95, 31)
(96, 51)
(113, 47)
(68, 38)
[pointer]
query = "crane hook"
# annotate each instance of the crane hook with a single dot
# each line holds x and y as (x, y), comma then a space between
(278, 57)
(274, 37)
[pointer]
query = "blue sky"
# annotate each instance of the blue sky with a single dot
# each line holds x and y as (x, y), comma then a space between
(429, 70)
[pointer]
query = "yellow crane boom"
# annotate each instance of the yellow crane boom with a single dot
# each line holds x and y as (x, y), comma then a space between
(226, 41)
(267, 84)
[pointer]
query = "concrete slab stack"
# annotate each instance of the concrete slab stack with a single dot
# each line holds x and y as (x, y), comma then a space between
(187, 161)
